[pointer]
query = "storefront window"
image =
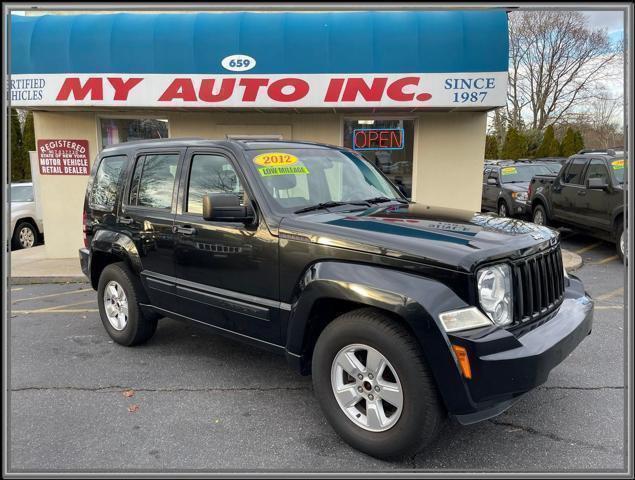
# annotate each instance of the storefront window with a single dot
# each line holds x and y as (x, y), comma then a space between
(121, 130)
(388, 144)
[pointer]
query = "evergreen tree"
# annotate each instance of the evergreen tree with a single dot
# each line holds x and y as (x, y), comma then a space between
(28, 141)
(578, 141)
(491, 147)
(515, 145)
(568, 147)
(549, 146)
(17, 151)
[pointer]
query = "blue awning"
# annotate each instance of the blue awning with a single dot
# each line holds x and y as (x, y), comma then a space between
(301, 43)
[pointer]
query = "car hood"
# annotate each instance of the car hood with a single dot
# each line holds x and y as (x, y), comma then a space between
(517, 187)
(437, 236)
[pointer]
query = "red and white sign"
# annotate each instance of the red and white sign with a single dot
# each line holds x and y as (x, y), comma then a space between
(451, 90)
(63, 157)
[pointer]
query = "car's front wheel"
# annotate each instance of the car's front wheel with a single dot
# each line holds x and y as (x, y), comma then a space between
(621, 241)
(502, 209)
(118, 295)
(374, 385)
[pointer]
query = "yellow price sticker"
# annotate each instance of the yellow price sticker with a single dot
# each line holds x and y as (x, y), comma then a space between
(617, 164)
(271, 159)
(509, 171)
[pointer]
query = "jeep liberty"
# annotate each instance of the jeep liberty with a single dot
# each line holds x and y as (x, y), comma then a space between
(404, 314)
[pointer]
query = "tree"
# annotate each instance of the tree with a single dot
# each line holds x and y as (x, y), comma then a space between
(515, 145)
(556, 62)
(17, 150)
(578, 141)
(549, 146)
(491, 147)
(28, 141)
(568, 147)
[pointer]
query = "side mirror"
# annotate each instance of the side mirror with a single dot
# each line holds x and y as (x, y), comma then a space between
(492, 181)
(596, 184)
(225, 207)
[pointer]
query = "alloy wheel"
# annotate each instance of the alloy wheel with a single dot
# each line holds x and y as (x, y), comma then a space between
(366, 387)
(116, 305)
(26, 237)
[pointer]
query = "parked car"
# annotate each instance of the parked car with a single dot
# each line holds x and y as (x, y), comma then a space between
(588, 195)
(505, 187)
(403, 313)
(26, 225)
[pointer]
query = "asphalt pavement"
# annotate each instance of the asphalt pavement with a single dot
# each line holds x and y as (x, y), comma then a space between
(191, 400)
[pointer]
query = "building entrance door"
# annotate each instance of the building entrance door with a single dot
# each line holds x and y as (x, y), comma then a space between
(388, 144)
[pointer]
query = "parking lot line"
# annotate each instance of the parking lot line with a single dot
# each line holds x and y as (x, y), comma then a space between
(614, 293)
(17, 289)
(588, 247)
(605, 260)
(51, 295)
(609, 307)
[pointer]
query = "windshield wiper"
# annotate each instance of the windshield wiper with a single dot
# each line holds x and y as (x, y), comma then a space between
(385, 199)
(323, 205)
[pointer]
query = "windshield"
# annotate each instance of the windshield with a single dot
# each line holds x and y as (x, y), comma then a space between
(617, 166)
(522, 173)
(21, 193)
(553, 167)
(304, 177)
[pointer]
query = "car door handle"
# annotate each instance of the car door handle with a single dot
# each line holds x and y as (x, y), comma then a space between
(126, 220)
(186, 230)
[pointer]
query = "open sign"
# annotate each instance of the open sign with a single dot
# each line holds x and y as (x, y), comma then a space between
(378, 139)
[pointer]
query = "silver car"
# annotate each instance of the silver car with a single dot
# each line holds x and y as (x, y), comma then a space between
(26, 224)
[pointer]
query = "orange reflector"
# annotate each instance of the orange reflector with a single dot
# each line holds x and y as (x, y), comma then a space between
(464, 361)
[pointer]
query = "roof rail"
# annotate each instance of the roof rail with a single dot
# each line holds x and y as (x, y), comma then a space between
(605, 151)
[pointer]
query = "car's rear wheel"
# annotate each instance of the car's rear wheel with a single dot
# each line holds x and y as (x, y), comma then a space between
(118, 295)
(540, 216)
(374, 385)
(24, 235)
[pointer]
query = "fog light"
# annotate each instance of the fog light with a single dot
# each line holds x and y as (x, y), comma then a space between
(464, 361)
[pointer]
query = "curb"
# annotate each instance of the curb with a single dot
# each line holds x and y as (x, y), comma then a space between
(572, 261)
(47, 279)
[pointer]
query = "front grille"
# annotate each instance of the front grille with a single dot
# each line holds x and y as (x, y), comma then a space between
(538, 285)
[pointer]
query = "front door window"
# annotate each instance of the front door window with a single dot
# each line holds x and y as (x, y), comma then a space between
(388, 144)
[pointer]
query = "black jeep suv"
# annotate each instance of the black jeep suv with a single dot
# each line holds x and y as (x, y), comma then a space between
(403, 313)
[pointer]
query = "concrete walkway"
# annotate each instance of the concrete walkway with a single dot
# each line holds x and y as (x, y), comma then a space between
(32, 266)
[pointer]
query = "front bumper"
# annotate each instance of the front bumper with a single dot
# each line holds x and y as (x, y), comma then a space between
(84, 261)
(520, 208)
(508, 363)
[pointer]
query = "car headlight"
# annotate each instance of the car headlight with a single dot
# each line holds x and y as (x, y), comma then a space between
(520, 196)
(495, 293)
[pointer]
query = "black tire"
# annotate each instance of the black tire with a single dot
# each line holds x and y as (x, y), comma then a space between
(422, 415)
(16, 242)
(621, 240)
(139, 327)
(537, 211)
(503, 209)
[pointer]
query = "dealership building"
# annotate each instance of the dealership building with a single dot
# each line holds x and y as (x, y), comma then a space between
(410, 90)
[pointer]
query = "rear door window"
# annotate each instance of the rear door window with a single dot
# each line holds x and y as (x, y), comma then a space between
(573, 173)
(153, 180)
(106, 182)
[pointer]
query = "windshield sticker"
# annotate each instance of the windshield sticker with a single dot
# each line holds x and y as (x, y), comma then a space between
(509, 171)
(277, 170)
(271, 159)
(617, 164)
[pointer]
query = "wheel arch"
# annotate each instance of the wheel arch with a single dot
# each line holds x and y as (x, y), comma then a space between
(109, 247)
(326, 291)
